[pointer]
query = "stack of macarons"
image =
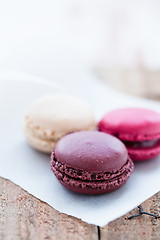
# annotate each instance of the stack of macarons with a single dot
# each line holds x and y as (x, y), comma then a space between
(84, 159)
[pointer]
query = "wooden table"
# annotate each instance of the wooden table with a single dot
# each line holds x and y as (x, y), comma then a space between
(22, 216)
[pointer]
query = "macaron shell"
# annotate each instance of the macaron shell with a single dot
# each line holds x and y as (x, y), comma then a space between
(142, 154)
(53, 116)
(94, 187)
(132, 124)
(40, 144)
(91, 151)
(76, 187)
(86, 175)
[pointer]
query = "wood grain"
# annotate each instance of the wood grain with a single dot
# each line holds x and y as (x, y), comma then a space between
(24, 217)
(143, 227)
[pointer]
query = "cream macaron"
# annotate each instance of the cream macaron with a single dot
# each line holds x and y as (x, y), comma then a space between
(51, 117)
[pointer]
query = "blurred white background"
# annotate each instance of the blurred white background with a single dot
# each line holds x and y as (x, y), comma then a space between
(56, 36)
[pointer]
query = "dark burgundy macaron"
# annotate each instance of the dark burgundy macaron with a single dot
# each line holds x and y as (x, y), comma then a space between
(138, 128)
(91, 162)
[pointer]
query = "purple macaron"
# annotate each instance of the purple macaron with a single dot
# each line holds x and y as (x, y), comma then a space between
(91, 162)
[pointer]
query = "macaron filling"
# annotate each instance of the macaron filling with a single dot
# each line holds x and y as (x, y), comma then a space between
(86, 179)
(142, 144)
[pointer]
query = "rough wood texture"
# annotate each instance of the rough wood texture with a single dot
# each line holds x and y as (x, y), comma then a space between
(23, 217)
(141, 228)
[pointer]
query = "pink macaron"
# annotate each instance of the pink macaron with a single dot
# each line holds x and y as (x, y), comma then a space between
(138, 128)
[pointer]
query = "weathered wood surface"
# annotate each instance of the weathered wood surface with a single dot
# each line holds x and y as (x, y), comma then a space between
(140, 228)
(24, 217)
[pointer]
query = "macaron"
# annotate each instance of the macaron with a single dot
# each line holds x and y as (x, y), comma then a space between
(91, 162)
(138, 128)
(51, 117)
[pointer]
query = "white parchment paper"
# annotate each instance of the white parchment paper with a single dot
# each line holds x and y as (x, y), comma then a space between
(30, 168)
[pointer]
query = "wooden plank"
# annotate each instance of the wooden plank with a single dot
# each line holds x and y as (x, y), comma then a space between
(144, 227)
(23, 216)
